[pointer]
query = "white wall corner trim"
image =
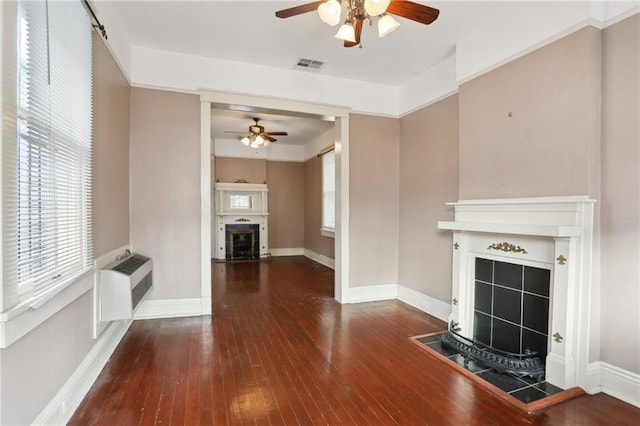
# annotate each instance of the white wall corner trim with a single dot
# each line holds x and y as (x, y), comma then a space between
(320, 258)
(428, 304)
(206, 207)
(277, 252)
(169, 308)
(617, 382)
(62, 406)
(373, 293)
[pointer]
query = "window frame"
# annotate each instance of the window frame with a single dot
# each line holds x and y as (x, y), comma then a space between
(327, 159)
(27, 303)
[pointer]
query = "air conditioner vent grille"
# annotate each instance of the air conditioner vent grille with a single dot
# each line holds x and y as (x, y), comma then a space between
(309, 64)
(131, 265)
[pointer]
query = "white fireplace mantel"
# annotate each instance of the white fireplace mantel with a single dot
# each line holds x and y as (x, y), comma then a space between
(555, 233)
(252, 209)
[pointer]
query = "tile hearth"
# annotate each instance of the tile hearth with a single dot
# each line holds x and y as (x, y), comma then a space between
(526, 390)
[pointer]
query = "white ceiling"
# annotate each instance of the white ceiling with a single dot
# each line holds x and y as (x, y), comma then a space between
(249, 32)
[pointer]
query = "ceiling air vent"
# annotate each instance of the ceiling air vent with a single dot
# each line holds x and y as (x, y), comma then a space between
(309, 65)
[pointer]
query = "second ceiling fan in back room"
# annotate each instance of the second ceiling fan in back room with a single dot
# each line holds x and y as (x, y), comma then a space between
(358, 11)
(257, 136)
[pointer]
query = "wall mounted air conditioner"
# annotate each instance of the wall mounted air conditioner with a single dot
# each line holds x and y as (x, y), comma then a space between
(122, 286)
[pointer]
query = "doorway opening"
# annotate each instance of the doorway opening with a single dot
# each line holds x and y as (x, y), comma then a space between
(242, 105)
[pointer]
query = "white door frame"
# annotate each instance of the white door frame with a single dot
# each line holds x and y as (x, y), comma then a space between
(341, 114)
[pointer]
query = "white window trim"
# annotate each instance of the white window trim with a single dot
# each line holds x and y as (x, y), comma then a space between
(328, 232)
(16, 322)
(325, 230)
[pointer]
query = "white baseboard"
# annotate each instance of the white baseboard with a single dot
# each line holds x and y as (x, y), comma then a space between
(556, 368)
(169, 308)
(60, 409)
(614, 381)
(372, 293)
(320, 258)
(593, 385)
(428, 304)
(287, 252)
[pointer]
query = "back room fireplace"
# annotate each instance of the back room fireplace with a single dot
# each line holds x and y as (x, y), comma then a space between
(241, 222)
(522, 279)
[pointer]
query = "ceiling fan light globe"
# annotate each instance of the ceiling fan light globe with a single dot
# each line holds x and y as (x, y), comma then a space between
(330, 11)
(346, 33)
(259, 140)
(376, 7)
(245, 140)
(386, 25)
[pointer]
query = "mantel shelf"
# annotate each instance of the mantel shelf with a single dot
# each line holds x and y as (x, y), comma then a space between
(513, 228)
(242, 214)
(241, 187)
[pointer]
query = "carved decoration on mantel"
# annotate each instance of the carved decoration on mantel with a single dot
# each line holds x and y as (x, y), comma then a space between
(456, 246)
(241, 181)
(508, 247)
(557, 337)
(561, 260)
(242, 219)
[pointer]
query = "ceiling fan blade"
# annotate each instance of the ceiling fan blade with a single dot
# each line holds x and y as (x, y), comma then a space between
(298, 10)
(358, 30)
(276, 133)
(268, 138)
(414, 11)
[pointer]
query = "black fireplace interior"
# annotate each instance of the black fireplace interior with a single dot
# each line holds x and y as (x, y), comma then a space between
(242, 241)
(511, 311)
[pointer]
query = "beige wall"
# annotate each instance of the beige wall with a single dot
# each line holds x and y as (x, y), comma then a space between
(34, 368)
(165, 189)
(531, 127)
(286, 204)
(573, 130)
(373, 192)
(620, 206)
(313, 240)
(428, 180)
(110, 153)
(234, 169)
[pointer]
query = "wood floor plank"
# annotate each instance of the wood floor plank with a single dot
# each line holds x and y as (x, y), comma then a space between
(278, 350)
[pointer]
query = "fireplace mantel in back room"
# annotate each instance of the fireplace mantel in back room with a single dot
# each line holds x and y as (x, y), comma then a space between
(556, 232)
(240, 203)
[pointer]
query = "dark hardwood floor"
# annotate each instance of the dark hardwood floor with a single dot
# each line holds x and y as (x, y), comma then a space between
(279, 350)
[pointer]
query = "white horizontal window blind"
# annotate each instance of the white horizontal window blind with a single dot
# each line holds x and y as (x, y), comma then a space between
(328, 190)
(51, 182)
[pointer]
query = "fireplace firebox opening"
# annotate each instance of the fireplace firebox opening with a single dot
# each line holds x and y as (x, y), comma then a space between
(511, 309)
(242, 241)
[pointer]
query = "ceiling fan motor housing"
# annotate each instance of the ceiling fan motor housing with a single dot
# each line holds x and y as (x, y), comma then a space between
(256, 129)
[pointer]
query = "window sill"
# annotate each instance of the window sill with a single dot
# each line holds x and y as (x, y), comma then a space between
(16, 322)
(328, 232)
